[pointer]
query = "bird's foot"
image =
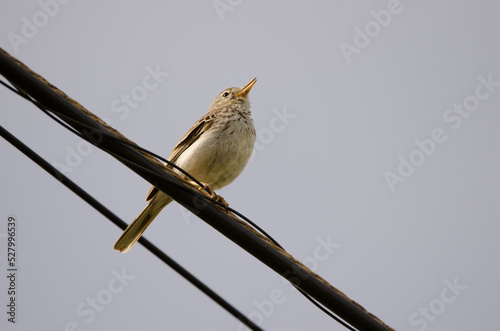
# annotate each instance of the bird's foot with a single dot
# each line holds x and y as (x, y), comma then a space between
(213, 195)
(220, 199)
(208, 190)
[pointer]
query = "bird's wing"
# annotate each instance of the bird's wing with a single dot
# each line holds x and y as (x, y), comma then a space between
(195, 132)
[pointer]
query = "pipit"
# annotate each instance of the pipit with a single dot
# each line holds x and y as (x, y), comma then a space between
(214, 150)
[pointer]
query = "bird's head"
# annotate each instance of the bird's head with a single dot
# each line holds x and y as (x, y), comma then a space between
(233, 97)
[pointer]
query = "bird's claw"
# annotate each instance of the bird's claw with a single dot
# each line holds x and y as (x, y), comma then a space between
(221, 200)
(208, 189)
(213, 195)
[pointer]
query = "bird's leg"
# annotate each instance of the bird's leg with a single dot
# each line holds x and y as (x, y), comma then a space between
(213, 195)
(208, 189)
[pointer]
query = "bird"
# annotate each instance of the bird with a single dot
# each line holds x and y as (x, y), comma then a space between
(215, 150)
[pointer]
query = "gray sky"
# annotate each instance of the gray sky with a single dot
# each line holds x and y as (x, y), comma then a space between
(376, 160)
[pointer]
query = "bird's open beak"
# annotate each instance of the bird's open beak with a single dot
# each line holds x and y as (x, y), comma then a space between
(245, 90)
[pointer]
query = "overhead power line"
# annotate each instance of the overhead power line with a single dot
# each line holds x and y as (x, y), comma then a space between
(155, 173)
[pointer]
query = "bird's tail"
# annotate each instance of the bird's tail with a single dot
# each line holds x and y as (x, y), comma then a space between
(135, 230)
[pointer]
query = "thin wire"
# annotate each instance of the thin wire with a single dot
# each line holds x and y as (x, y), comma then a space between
(50, 112)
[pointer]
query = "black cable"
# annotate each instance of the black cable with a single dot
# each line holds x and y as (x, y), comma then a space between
(50, 112)
(121, 224)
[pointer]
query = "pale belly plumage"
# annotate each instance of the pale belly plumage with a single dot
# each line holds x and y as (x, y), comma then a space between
(218, 157)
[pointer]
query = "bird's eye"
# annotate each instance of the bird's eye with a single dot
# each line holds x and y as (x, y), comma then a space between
(225, 94)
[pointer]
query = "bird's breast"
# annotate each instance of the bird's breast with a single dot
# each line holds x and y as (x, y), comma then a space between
(221, 153)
